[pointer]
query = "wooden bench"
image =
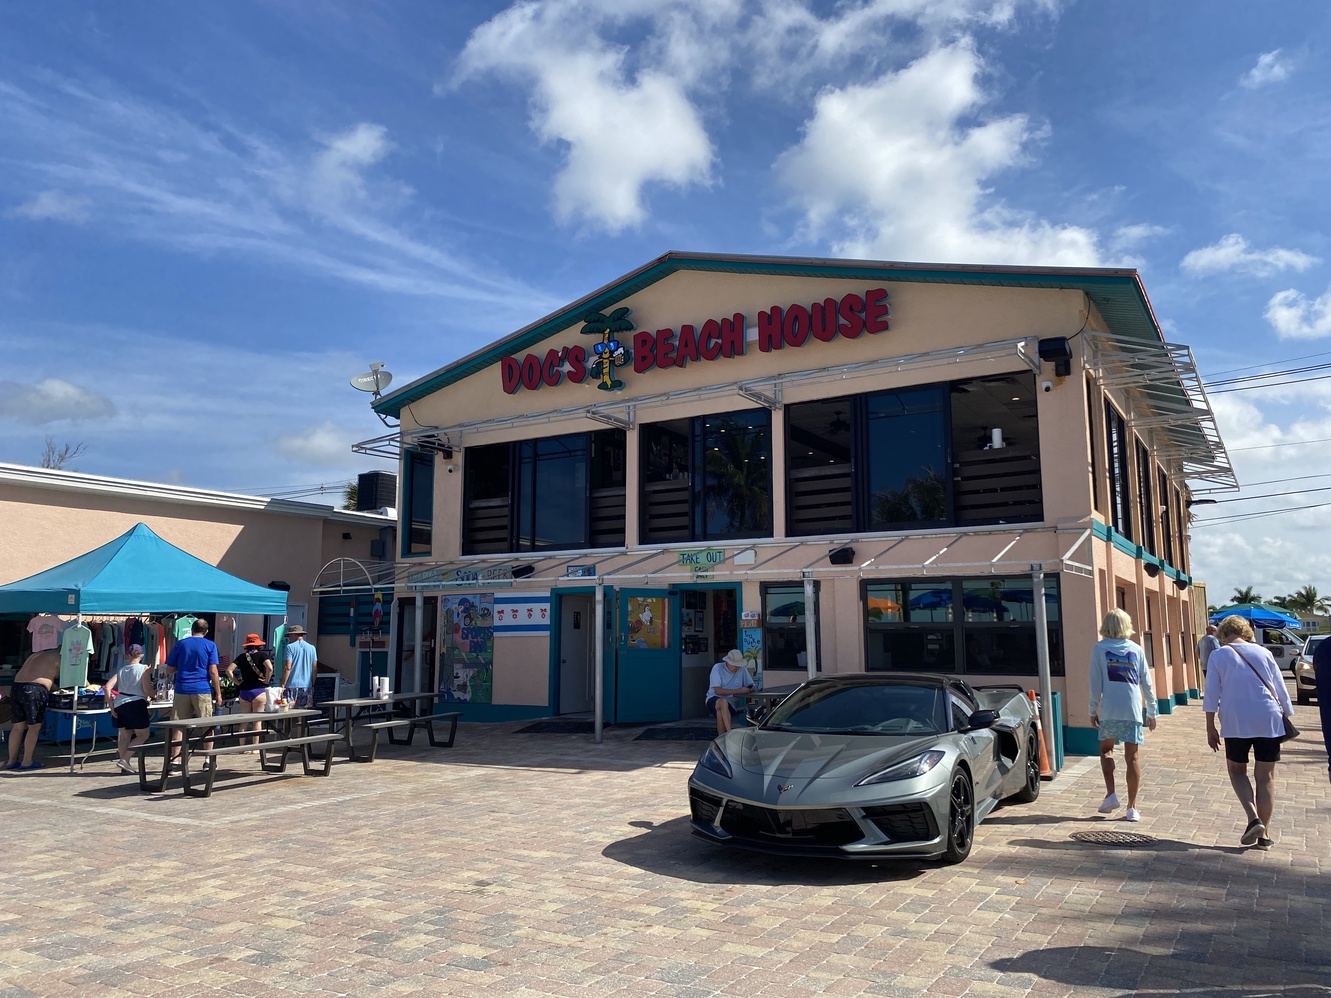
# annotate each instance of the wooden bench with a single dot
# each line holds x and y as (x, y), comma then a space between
(426, 721)
(282, 745)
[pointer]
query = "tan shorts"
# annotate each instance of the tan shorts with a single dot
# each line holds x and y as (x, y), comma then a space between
(187, 705)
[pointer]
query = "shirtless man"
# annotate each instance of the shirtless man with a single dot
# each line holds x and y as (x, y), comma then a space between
(30, 694)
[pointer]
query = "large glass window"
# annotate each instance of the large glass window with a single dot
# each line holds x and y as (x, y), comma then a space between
(917, 627)
(556, 493)
(1145, 500)
(906, 443)
(1120, 503)
(1166, 518)
(965, 453)
(785, 640)
(1095, 447)
(418, 492)
(707, 478)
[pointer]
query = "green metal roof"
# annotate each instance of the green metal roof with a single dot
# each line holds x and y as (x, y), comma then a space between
(1117, 294)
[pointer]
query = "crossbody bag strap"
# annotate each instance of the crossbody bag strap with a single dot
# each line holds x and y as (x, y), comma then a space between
(1262, 678)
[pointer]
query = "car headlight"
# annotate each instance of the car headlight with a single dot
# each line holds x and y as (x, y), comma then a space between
(1305, 666)
(908, 770)
(715, 760)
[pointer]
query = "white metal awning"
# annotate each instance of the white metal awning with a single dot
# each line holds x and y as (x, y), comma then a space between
(997, 551)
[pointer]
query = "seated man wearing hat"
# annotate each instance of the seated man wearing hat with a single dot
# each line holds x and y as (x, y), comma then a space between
(298, 668)
(729, 677)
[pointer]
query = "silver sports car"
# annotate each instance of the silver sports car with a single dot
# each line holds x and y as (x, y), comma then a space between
(869, 766)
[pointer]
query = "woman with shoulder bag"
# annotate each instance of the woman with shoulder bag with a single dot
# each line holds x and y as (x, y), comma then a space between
(1244, 686)
(256, 672)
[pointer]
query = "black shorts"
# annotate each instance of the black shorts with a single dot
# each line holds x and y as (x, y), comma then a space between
(132, 715)
(29, 702)
(713, 701)
(1263, 749)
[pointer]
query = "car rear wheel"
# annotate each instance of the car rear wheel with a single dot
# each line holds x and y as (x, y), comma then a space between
(1031, 790)
(960, 819)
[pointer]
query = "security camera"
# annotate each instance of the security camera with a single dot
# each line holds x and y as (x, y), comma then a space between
(451, 468)
(1046, 386)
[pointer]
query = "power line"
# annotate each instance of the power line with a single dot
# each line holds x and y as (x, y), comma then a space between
(1283, 443)
(1210, 522)
(1288, 360)
(1274, 384)
(1269, 495)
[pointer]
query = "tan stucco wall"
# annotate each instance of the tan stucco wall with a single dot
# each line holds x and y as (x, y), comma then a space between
(41, 528)
(522, 670)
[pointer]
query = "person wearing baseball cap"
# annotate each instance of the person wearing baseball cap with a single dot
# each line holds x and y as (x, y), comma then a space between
(301, 660)
(256, 674)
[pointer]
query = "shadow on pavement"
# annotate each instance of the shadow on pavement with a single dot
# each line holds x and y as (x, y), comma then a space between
(669, 849)
(1199, 965)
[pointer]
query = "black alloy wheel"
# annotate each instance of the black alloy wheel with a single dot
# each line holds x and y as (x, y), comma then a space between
(1030, 791)
(960, 819)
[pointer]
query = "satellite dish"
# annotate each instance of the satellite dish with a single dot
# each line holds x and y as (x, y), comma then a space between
(376, 379)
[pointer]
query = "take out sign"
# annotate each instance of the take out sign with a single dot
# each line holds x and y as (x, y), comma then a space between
(620, 346)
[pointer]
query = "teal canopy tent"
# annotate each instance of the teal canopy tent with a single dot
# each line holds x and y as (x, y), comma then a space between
(138, 572)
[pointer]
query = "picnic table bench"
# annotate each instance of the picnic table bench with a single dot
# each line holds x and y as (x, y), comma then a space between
(375, 709)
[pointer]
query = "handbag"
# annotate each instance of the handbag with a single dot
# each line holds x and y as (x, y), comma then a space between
(1290, 730)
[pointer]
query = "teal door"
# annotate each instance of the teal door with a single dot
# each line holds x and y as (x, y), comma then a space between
(647, 666)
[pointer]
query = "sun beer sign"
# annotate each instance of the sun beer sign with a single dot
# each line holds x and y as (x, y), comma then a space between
(618, 346)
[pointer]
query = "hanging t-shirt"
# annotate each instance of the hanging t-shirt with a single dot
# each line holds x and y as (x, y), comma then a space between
(45, 630)
(154, 651)
(224, 628)
(279, 649)
(75, 648)
(182, 626)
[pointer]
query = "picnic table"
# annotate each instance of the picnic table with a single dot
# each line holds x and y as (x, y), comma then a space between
(382, 716)
(288, 725)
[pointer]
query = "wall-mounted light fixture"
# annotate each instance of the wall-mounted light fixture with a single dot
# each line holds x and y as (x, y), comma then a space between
(842, 556)
(1152, 569)
(1058, 351)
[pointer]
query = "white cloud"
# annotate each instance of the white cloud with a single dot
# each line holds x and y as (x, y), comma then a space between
(1130, 237)
(52, 401)
(1296, 317)
(196, 183)
(915, 185)
(1232, 252)
(324, 445)
(623, 124)
(52, 206)
(1271, 68)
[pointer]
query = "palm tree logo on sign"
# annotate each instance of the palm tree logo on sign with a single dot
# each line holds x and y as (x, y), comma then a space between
(610, 353)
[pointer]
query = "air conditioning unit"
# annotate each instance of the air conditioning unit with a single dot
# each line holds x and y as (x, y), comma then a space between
(375, 490)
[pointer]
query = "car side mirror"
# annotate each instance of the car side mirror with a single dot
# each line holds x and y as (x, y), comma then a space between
(981, 719)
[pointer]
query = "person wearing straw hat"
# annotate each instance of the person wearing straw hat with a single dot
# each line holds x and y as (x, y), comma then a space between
(301, 660)
(730, 677)
(256, 674)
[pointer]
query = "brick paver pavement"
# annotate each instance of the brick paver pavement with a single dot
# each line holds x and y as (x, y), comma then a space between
(544, 865)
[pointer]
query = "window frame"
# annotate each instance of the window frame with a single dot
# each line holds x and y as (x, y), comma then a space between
(413, 460)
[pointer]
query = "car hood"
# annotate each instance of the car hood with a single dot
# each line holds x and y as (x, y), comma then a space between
(793, 756)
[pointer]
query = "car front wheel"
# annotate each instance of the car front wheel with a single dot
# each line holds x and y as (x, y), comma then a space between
(960, 820)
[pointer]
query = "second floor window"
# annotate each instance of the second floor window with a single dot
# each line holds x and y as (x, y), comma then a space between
(418, 495)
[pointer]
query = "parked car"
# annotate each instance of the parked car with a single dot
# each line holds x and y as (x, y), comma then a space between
(869, 766)
(1305, 683)
(1283, 644)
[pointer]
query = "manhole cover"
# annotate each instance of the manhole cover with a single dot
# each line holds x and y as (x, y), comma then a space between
(1128, 840)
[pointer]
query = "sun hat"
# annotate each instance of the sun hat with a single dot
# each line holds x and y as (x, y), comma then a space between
(253, 639)
(734, 657)
(295, 630)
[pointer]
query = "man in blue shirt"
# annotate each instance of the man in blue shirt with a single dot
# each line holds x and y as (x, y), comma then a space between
(298, 668)
(193, 662)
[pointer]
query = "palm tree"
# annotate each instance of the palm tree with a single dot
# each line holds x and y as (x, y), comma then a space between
(1246, 595)
(1308, 601)
(738, 477)
(922, 498)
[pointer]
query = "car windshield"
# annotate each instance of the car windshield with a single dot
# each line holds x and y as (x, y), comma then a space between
(887, 709)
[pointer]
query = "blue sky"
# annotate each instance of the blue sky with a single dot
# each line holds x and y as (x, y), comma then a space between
(213, 214)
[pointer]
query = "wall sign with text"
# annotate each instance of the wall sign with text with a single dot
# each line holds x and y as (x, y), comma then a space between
(618, 346)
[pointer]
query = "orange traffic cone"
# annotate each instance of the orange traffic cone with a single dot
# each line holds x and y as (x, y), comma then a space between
(1045, 768)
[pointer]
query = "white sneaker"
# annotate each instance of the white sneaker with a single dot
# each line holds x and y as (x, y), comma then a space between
(1110, 803)
(1132, 815)
(124, 766)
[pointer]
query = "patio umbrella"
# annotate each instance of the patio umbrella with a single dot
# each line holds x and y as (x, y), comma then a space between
(1257, 614)
(1025, 596)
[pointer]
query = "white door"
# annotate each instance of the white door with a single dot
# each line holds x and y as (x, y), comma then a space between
(577, 653)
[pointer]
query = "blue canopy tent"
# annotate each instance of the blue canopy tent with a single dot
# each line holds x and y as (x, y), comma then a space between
(1257, 614)
(138, 572)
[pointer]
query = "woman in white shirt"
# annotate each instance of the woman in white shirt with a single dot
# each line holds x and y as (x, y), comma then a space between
(1245, 688)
